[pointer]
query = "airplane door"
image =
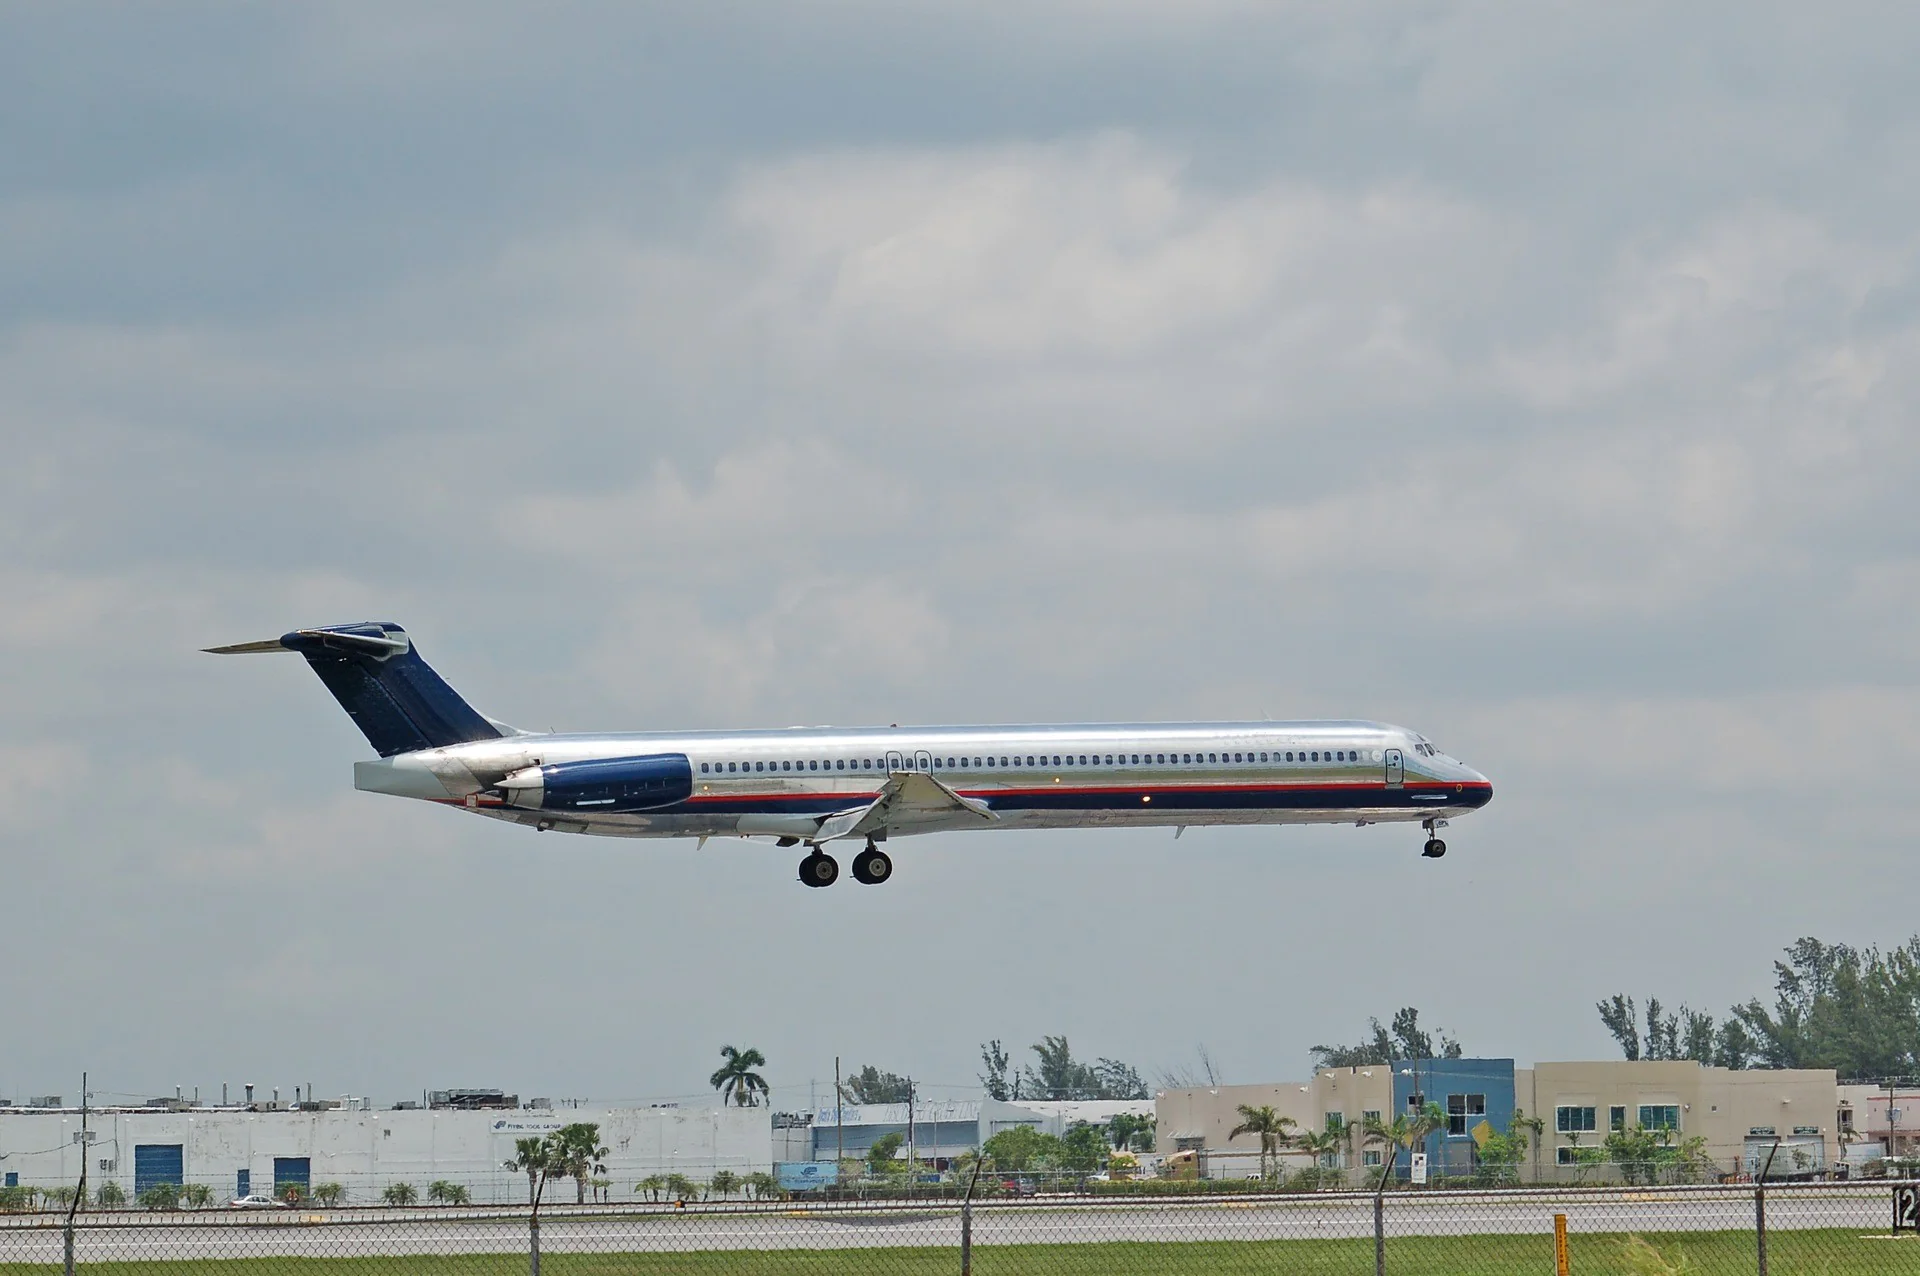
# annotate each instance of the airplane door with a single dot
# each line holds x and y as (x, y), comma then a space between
(1396, 769)
(894, 762)
(923, 761)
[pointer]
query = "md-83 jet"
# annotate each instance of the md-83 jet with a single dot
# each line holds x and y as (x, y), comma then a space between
(815, 786)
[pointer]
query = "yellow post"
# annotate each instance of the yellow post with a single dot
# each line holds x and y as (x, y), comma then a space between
(1562, 1262)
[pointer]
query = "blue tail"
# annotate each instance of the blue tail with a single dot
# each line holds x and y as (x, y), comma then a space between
(373, 669)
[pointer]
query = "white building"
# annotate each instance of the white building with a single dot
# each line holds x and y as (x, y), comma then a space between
(236, 1151)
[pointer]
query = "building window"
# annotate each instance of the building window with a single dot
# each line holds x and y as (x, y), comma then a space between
(1571, 1120)
(1571, 1156)
(1370, 1157)
(1660, 1116)
(1846, 1118)
(1617, 1117)
(1371, 1114)
(1463, 1107)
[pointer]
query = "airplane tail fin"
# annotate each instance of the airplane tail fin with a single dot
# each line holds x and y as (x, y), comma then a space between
(373, 669)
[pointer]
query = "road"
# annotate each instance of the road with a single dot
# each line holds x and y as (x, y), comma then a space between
(139, 1237)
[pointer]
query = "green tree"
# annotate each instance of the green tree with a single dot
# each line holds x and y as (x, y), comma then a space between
(1408, 1131)
(1131, 1131)
(1272, 1129)
(998, 1081)
(736, 1079)
(681, 1188)
(1640, 1153)
(161, 1196)
(574, 1152)
(197, 1196)
(1083, 1149)
(881, 1154)
(1021, 1147)
(1405, 1039)
(532, 1157)
(110, 1196)
(400, 1194)
(1499, 1159)
(652, 1185)
(870, 1085)
(439, 1190)
(762, 1186)
(1324, 1145)
(725, 1183)
(1056, 1074)
(329, 1194)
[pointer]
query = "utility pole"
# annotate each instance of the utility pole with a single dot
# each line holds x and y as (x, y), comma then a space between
(839, 1120)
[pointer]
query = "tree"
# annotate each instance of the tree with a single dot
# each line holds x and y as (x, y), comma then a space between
(1500, 1157)
(1620, 1017)
(652, 1185)
(439, 1190)
(197, 1196)
(881, 1153)
(1021, 1147)
(762, 1186)
(1405, 1039)
(328, 1194)
(532, 1157)
(1324, 1145)
(1407, 1131)
(682, 1188)
(725, 1183)
(1272, 1129)
(575, 1153)
(1083, 1149)
(110, 1196)
(1131, 1131)
(736, 1079)
(870, 1085)
(995, 1080)
(1056, 1074)
(400, 1194)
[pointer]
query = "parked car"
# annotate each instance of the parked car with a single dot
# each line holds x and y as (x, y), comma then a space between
(257, 1202)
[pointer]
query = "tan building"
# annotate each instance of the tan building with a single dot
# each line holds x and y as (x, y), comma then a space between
(1740, 1114)
(1879, 1120)
(1200, 1119)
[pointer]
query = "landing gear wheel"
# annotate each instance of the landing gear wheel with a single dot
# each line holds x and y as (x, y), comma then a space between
(819, 870)
(1435, 848)
(872, 866)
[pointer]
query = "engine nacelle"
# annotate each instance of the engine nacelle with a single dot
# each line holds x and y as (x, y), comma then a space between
(603, 784)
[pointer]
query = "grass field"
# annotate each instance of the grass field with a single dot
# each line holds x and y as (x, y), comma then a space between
(1804, 1253)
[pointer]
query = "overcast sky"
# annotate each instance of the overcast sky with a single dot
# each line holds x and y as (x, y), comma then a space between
(1541, 377)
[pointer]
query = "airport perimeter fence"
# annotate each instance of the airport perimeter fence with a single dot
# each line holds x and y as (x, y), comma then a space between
(1840, 1229)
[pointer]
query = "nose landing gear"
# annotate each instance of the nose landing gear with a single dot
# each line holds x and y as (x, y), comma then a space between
(1434, 848)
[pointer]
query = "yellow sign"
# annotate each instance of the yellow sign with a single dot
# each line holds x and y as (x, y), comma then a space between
(1481, 1133)
(1562, 1261)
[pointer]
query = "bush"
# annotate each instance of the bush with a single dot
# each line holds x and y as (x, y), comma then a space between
(161, 1196)
(111, 1196)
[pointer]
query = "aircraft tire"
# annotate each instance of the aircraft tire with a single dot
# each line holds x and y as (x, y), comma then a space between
(819, 870)
(871, 867)
(1435, 848)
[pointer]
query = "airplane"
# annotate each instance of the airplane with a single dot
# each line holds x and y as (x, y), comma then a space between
(819, 785)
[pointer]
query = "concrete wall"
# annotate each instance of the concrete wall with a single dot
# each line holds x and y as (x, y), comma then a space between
(366, 1151)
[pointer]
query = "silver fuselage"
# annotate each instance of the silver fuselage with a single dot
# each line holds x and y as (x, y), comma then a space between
(748, 783)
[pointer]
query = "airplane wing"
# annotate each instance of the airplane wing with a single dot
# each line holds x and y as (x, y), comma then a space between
(909, 802)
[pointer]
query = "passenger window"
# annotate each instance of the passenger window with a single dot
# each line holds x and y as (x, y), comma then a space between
(1289, 756)
(1213, 757)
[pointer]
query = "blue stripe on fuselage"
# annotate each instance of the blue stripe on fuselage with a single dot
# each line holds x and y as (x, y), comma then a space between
(1175, 798)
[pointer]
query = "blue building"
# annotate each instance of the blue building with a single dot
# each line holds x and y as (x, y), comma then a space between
(1476, 1094)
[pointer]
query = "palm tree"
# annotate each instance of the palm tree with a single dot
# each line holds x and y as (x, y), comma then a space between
(329, 1194)
(1324, 1147)
(533, 1158)
(762, 1186)
(736, 1079)
(652, 1185)
(400, 1194)
(725, 1183)
(682, 1188)
(577, 1155)
(1407, 1130)
(439, 1190)
(1272, 1128)
(197, 1196)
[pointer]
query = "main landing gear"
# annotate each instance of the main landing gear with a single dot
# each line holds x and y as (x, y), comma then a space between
(871, 867)
(1435, 848)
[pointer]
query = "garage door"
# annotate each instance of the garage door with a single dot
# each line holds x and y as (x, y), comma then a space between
(292, 1171)
(156, 1163)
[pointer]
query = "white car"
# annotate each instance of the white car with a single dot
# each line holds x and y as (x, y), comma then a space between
(256, 1202)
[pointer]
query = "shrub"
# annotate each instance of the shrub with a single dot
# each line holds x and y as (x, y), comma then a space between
(111, 1196)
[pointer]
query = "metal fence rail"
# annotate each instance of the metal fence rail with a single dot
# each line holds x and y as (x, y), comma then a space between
(1774, 1230)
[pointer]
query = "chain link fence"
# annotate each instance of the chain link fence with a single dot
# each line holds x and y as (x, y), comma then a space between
(1773, 1230)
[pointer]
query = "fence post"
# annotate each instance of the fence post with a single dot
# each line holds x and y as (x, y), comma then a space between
(1380, 1221)
(1760, 1208)
(69, 1239)
(966, 1217)
(533, 1238)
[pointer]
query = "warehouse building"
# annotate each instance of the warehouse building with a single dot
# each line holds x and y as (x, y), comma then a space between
(239, 1151)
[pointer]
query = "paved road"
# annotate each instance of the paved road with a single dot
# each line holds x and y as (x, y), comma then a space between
(388, 1233)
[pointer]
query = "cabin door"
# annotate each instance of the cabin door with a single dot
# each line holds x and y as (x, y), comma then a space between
(1396, 769)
